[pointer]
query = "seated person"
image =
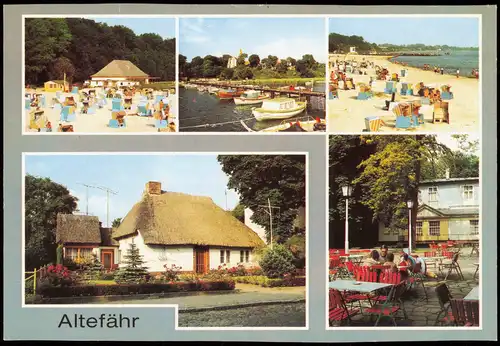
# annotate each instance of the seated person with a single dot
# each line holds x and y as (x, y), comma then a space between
(390, 262)
(383, 253)
(405, 262)
(373, 259)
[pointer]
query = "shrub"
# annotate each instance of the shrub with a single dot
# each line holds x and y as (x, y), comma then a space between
(189, 278)
(133, 269)
(172, 273)
(239, 270)
(107, 276)
(277, 262)
(58, 275)
(255, 271)
(132, 289)
(264, 281)
(220, 273)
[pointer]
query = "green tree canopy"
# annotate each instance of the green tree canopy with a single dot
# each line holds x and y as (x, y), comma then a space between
(116, 222)
(44, 199)
(239, 212)
(258, 179)
(254, 60)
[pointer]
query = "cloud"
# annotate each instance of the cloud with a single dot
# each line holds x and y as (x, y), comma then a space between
(295, 48)
(193, 30)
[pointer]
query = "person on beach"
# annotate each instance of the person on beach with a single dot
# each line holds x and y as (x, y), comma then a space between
(458, 73)
(442, 71)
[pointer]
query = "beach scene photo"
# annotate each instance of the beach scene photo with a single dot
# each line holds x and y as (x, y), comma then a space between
(239, 75)
(403, 74)
(100, 75)
(404, 231)
(222, 236)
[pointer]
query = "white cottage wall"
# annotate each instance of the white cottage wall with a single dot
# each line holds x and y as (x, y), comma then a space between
(234, 258)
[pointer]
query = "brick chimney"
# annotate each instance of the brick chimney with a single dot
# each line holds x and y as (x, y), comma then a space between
(153, 188)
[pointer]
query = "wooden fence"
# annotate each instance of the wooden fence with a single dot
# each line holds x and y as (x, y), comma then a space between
(36, 275)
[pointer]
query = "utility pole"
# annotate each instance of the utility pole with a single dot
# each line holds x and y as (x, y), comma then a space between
(270, 213)
(86, 197)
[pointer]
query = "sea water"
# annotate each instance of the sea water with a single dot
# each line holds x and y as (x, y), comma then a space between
(464, 60)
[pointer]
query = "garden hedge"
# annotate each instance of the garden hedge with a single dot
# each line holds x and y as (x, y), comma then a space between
(132, 289)
(267, 282)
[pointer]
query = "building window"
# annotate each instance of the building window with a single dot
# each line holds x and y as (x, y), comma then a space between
(468, 193)
(221, 256)
(73, 253)
(433, 194)
(242, 256)
(247, 256)
(228, 256)
(474, 227)
(418, 230)
(434, 228)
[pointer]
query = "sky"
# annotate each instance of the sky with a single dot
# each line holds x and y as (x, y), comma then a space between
(282, 37)
(199, 175)
(452, 143)
(458, 32)
(165, 27)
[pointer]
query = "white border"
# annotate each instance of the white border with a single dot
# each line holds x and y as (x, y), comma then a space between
(175, 306)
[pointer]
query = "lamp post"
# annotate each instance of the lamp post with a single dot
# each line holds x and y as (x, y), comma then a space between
(346, 191)
(410, 206)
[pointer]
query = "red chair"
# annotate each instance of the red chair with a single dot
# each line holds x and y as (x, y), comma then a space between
(338, 311)
(445, 316)
(465, 312)
(391, 306)
(447, 254)
(429, 261)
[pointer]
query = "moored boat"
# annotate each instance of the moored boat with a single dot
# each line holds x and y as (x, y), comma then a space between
(250, 97)
(279, 108)
(227, 94)
(303, 124)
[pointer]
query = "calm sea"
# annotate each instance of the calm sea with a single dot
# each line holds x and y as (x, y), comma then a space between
(198, 109)
(464, 60)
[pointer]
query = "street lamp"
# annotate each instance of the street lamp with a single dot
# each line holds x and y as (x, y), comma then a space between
(346, 191)
(410, 206)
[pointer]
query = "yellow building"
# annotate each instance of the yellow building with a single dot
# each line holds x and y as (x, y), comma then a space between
(56, 85)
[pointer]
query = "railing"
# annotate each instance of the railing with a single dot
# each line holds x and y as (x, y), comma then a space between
(36, 274)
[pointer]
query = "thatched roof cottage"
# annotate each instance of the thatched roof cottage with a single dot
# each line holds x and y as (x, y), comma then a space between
(82, 235)
(119, 73)
(189, 231)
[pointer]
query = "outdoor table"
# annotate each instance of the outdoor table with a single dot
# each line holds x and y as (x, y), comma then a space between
(439, 261)
(477, 269)
(363, 287)
(473, 294)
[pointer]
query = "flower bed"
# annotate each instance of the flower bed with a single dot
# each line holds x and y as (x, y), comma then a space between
(132, 289)
(267, 282)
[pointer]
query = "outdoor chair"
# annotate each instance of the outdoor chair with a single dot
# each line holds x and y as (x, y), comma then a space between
(475, 249)
(338, 311)
(416, 276)
(445, 315)
(67, 114)
(453, 266)
(476, 271)
(429, 261)
(465, 312)
(387, 277)
(391, 306)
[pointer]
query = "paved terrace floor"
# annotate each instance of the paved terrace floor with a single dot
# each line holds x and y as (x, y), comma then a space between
(421, 312)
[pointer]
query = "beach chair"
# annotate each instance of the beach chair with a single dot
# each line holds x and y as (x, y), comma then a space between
(390, 87)
(373, 124)
(406, 89)
(161, 124)
(445, 95)
(117, 120)
(406, 122)
(91, 110)
(74, 90)
(27, 104)
(68, 114)
(441, 112)
(444, 316)
(58, 95)
(142, 110)
(116, 105)
(337, 309)
(158, 98)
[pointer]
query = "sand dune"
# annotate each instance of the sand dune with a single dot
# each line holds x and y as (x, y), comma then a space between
(347, 114)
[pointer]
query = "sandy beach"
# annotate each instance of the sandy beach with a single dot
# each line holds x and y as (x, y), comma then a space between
(347, 114)
(98, 122)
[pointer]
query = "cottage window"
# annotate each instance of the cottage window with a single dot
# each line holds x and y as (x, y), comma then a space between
(418, 230)
(74, 253)
(242, 256)
(71, 253)
(468, 193)
(228, 256)
(247, 256)
(433, 196)
(474, 227)
(434, 228)
(86, 253)
(221, 256)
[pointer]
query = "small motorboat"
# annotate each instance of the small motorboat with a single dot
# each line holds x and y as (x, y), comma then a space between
(279, 108)
(303, 124)
(228, 94)
(250, 97)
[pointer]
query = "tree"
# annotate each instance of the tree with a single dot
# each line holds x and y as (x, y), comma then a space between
(291, 61)
(277, 178)
(197, 67)
(277, 262)
(265, 63)
(44, 199)
(308, 59)
(254, 60)
(281, 67)
(116, 222)
(133, 270)
(182, 66)
(95, 268)
(227, 74)
(63, 66)
(243, 72)
(239, 212)
(225, 59)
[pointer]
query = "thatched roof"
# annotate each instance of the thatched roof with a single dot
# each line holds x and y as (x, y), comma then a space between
(107, 237)
(120, 68)
(173, 218)
(82, 229)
